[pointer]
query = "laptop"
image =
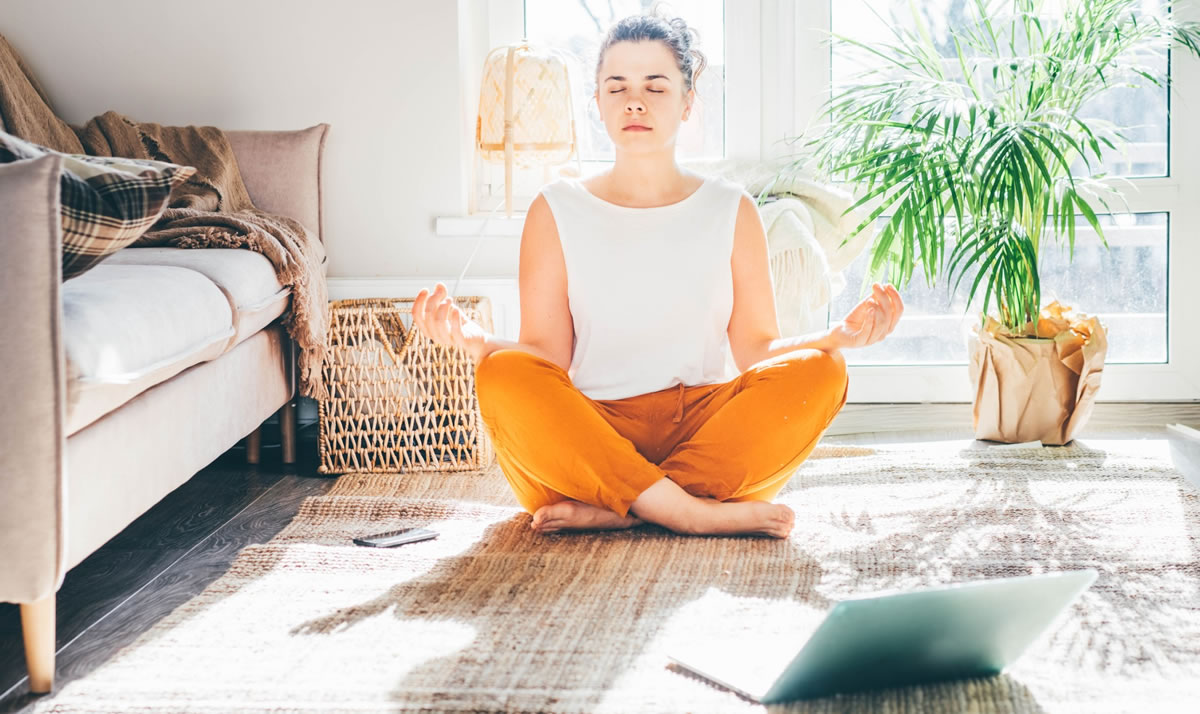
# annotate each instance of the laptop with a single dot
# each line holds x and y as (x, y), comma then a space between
(1185, 451)
(899, 638)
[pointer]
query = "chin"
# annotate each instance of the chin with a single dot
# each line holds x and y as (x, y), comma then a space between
(641, 148)
(642, 141)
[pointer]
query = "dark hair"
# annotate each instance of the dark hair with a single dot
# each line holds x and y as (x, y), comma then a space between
(672, 31)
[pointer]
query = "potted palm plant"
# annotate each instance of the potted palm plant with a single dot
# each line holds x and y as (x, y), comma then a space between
(973, 160)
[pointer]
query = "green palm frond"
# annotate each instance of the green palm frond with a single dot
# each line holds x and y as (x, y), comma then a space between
(969, 157)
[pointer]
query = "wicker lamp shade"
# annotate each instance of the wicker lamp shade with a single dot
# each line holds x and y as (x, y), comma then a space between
(525, 112)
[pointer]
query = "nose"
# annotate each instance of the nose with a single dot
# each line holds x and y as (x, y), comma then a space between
(635, 105)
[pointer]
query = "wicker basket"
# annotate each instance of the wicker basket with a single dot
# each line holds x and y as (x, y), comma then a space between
(398, 401)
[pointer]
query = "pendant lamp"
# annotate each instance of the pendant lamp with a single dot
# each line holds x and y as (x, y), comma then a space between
(525, 115)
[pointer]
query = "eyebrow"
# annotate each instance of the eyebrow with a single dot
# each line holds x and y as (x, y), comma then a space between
(649, 76)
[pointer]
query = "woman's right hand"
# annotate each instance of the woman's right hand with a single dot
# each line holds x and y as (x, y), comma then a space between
(439, 319)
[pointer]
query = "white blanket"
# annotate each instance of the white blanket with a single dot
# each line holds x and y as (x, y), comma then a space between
(806, 225)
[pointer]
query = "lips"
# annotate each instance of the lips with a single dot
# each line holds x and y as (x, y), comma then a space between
(636, 127)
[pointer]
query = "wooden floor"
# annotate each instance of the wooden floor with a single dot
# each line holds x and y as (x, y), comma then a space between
(188, 540)
(164, 558)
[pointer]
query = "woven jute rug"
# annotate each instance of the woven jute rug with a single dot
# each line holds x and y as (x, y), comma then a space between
(492, 616)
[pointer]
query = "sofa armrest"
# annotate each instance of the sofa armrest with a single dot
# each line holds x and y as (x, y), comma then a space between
(282, 172)
(32, 382)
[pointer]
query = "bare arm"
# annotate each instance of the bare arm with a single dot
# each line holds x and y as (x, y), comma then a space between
(546, 327)
(754, 326)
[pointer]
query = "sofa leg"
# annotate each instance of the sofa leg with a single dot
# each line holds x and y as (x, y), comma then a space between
(287, 432)
(254, 445)
(37, 626)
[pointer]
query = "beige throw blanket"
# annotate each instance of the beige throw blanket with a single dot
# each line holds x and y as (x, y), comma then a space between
(211, 210)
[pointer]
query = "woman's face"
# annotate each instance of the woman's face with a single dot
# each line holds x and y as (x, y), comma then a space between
(639, 83)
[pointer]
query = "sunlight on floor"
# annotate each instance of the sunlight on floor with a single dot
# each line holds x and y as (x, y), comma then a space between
(294, 643)
(751, 638)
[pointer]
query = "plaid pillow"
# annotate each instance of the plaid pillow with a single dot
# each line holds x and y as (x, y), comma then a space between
(107, 203)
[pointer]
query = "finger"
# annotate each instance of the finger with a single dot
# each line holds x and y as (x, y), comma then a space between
(885, 305)
(430, 320)
(441, 304)
(866, 333)
(891, 310)
(883, 318)
(418, 310)
(439, 293)
(863, 323)
(883, 324)
(897, 306)
(441, 326)
(862, 337)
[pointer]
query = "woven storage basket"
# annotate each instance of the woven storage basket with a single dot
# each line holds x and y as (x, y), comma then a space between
(398, 401)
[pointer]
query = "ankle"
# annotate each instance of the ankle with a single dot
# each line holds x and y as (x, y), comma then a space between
(700, 517)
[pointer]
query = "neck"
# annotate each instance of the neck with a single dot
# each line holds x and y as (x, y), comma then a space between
(649, 177)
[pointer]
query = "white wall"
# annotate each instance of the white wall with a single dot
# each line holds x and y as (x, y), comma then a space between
(385, 74)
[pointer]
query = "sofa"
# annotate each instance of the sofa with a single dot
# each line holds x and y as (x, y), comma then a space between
(121, 383)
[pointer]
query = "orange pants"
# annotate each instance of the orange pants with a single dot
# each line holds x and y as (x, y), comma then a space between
(734, 441)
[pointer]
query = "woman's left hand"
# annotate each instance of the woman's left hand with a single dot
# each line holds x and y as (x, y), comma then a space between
(871, 320)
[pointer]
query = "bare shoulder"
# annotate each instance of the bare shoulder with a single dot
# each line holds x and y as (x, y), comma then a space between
(748, 217)
(540, 244)
(539, 220)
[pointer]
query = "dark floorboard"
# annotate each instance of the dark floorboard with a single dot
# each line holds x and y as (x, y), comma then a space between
(164, 558)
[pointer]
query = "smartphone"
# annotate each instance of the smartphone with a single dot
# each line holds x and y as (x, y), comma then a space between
(394, 538)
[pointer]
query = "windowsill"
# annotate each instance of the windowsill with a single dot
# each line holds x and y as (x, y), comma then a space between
(498, 226)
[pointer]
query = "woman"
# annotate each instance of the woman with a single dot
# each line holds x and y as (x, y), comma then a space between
(612, 408)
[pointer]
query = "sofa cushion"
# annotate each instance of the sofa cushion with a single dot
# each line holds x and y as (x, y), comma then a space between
(129, 327)
(106, 203)
(282, 172)
(247, 279)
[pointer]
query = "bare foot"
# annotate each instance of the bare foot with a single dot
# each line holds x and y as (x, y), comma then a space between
(576, 515)
(668, 505)
(754, 517)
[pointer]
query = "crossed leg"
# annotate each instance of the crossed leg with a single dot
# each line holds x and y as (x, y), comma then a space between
(579, 503)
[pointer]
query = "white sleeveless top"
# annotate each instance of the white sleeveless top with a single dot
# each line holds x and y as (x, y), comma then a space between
(650, 289)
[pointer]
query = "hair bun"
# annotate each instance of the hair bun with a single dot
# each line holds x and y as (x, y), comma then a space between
(689, 35)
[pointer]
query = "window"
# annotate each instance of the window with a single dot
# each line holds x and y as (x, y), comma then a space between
(1141, 113)
(1126, 285)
